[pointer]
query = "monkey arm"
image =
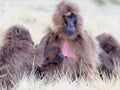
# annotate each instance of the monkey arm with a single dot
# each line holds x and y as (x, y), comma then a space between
(40, 49)
(43, 42)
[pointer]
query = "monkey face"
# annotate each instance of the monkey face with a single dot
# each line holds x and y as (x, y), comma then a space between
(107, 42)
(18, 32)
(53, 54)
(70, 21)
(67, 20)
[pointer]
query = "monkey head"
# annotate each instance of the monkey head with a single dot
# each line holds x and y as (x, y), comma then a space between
(53, 54)
(67, 20)
(17, 33)
(107, 42)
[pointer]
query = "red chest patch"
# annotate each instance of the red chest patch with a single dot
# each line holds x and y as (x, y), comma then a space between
(66, 50)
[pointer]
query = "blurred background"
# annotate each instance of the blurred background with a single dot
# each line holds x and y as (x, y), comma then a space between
(99, 15)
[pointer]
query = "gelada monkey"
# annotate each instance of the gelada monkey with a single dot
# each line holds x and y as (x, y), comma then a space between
(111, 47)
(78, 47)
(16, 54)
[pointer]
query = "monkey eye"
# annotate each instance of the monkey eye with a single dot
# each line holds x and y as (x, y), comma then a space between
(47, 59)
(75, 21)
(110, 38)
(16, 32)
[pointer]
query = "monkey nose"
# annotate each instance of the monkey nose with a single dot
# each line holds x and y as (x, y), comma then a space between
(61, 56)
(71, 26)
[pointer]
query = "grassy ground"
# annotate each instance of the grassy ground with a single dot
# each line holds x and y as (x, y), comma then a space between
(66, 84)
(36, 15)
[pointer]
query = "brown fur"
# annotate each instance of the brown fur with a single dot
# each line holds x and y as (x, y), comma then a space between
(52, 60)
(40, 51)
(112, 47)
(107, 65)
(81, 44)
(16, 54)
(40, 56)
(46, 57)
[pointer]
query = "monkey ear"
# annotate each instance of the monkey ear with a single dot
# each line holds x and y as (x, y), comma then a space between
(16, 32)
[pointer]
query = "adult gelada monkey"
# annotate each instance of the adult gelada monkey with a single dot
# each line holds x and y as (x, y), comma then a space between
(77, 46)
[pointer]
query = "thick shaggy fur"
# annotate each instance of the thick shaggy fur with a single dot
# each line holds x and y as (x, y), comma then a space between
(40, 52)
(112, 47)
(107, 65)
(46, 58)
(82, 46)
(16, 54)
(53, 58)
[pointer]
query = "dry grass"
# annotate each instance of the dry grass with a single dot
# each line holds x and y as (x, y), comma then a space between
(65, 83)
(36, 15)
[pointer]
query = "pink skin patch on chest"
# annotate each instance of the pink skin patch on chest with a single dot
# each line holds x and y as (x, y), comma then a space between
(66, 50)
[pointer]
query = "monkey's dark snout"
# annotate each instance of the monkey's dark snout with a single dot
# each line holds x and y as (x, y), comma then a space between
(60, 56)
(70, 31)
(70, 26)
